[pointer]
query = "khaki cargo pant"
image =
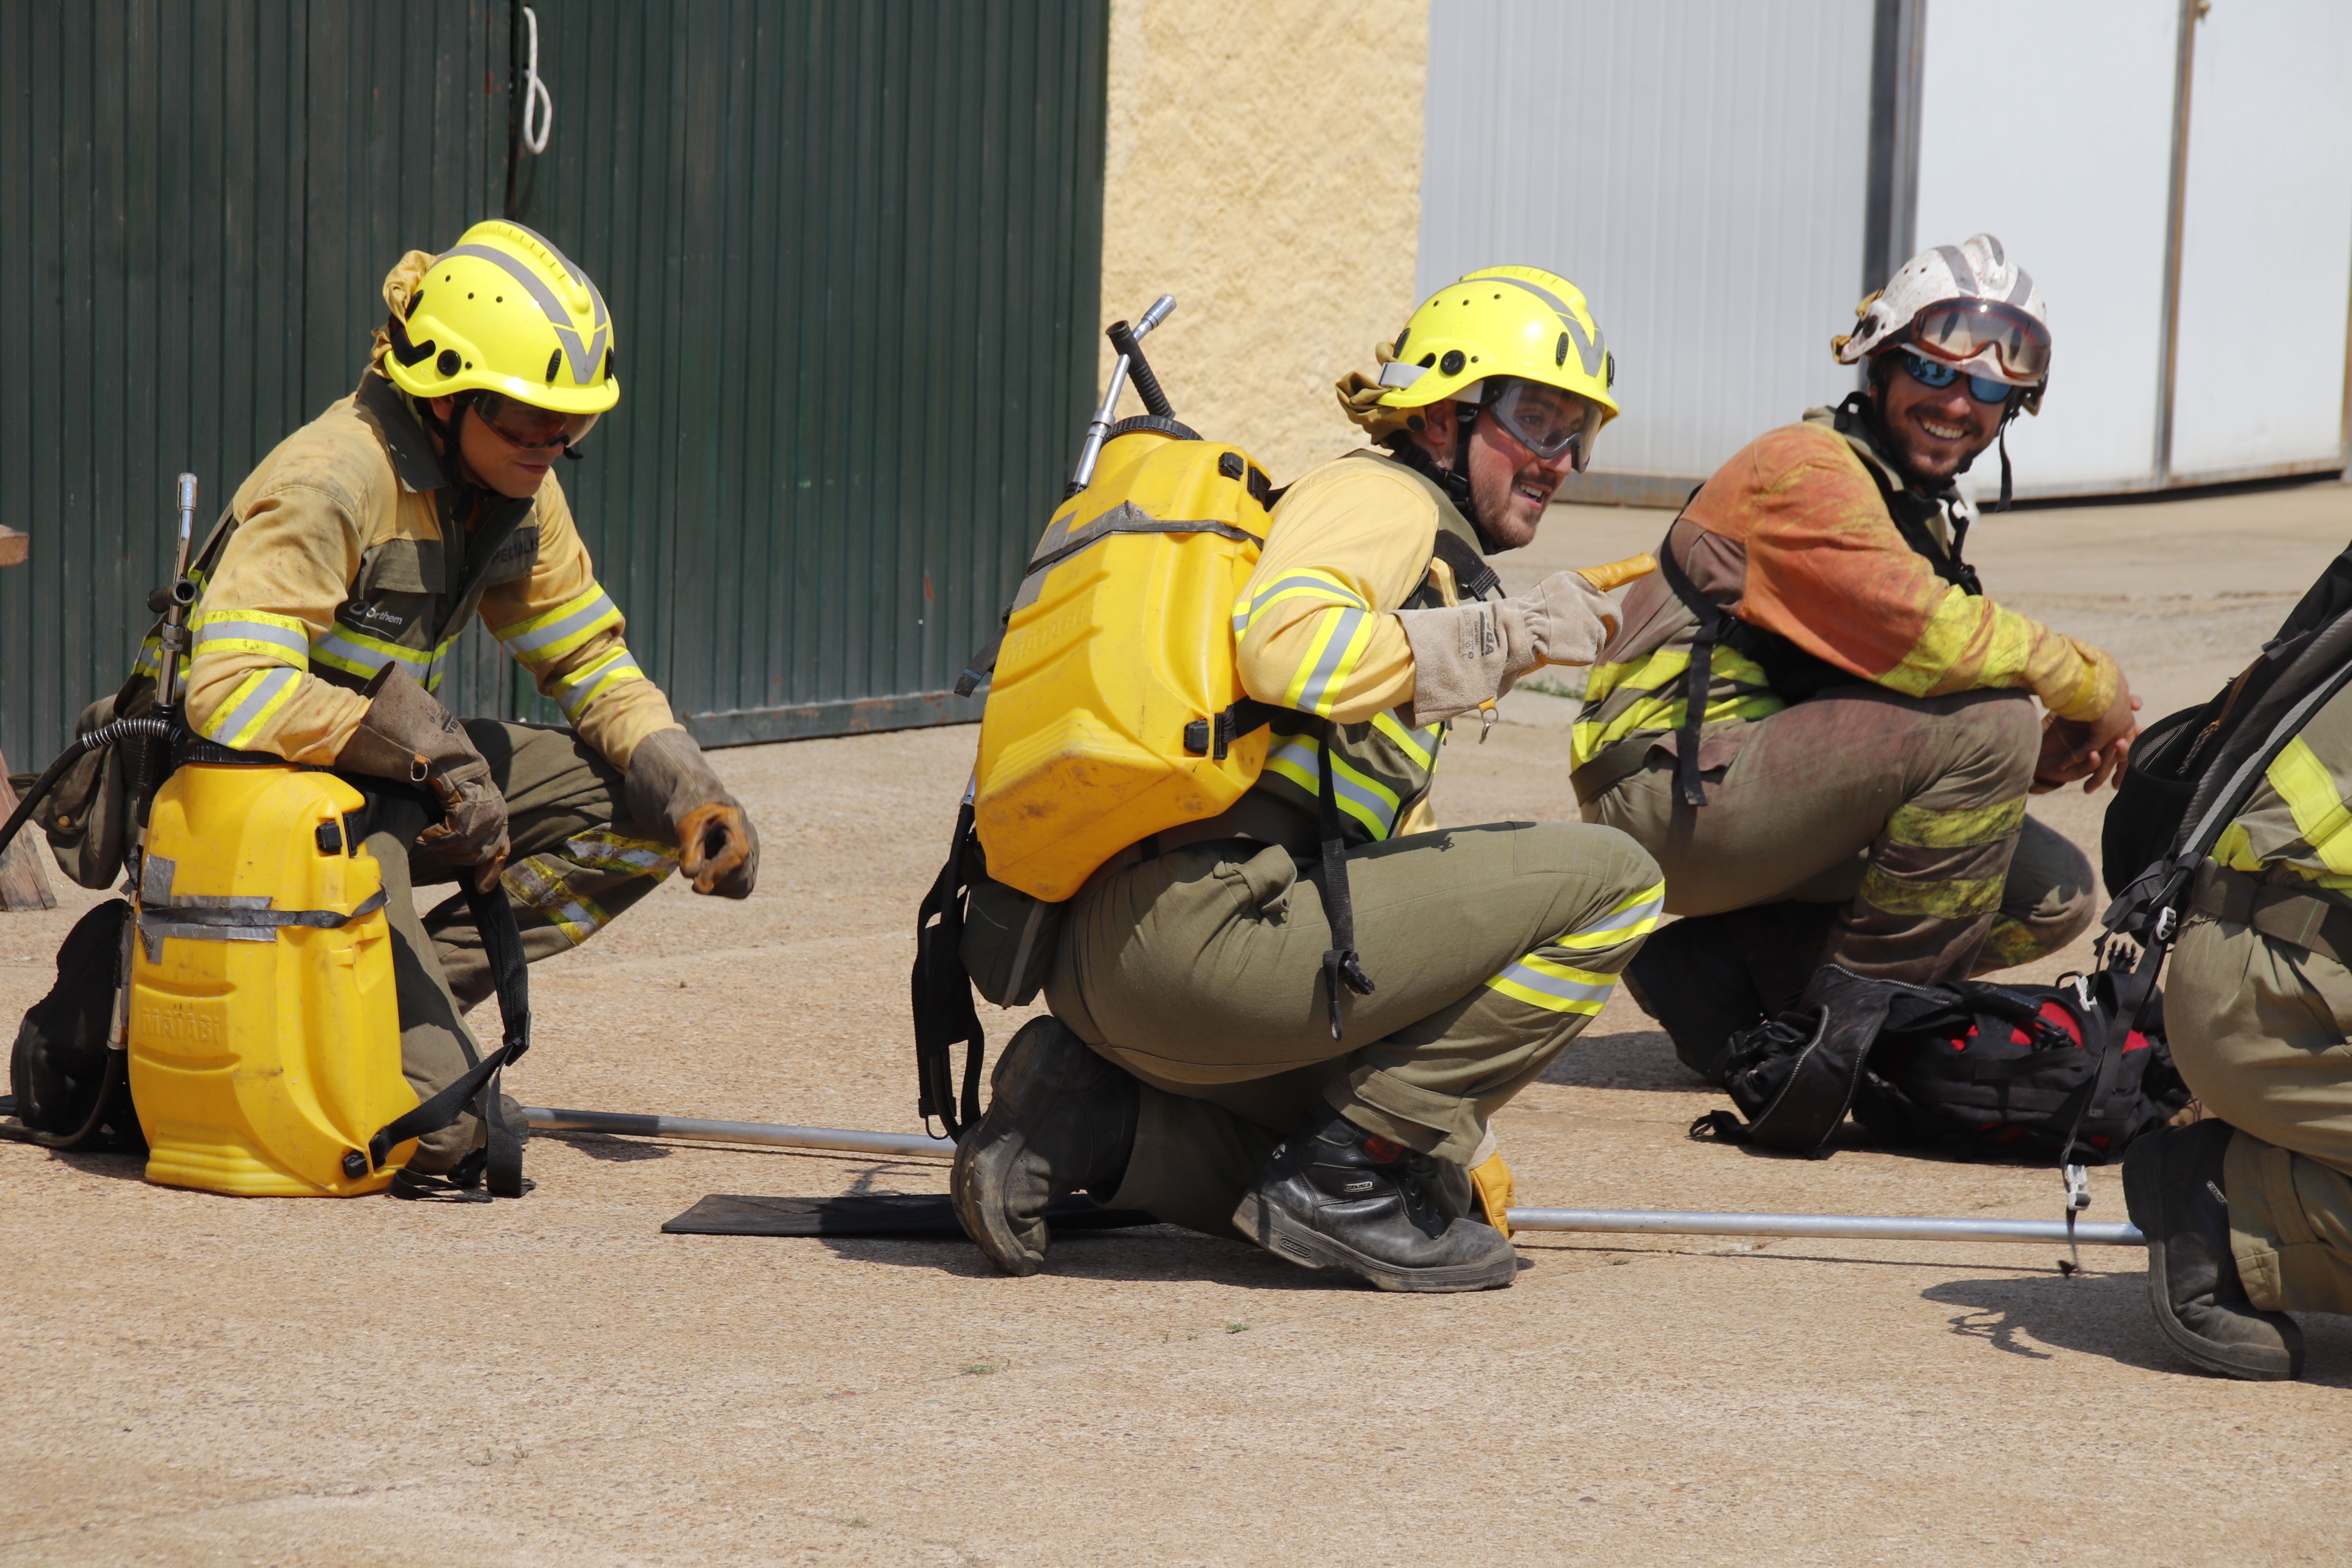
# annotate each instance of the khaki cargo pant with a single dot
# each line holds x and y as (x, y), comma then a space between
(1910, 811)
(1200, 973)
(577, 862)
(2257, 1028)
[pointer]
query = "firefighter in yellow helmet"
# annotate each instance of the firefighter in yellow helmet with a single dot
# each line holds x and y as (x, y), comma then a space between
(1196, 1064)
(332, 595)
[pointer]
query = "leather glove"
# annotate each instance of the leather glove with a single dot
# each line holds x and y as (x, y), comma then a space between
(670, 785)
(1471, 653)
(406, 735)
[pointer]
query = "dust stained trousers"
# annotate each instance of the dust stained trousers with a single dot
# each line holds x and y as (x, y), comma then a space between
(1194, 959)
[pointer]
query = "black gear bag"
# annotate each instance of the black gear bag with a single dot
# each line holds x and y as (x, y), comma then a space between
(2054, 1071)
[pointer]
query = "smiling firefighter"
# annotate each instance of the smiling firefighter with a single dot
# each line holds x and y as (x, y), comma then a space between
(1814, 717)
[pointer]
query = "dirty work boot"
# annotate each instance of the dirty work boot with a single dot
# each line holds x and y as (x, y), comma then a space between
(1691, 977)
(2172, 1187)
(1060, 1119)
(1335, 1196)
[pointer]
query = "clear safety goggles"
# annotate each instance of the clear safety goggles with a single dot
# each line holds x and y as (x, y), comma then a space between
(1548, 421)
(1960, 332)
(520, 424)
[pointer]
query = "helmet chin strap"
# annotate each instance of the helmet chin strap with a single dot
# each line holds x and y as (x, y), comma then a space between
(1455, 481)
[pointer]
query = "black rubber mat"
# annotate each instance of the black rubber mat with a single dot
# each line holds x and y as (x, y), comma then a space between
(913, 1217)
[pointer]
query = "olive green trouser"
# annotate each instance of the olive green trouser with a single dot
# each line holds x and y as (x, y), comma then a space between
(2257, 1028)
(576, 862)
(1909, 811)
(1200, 973)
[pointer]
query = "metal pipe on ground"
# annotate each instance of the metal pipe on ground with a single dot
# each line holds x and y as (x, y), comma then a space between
(1619, 1222)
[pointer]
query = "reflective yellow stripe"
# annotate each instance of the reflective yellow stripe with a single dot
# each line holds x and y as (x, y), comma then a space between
(282, 639)
(1420, 745)
(576, 690)
(1366, 799)
(1659, 678)
(2302, 781)
(258, 698)
(552, 634)
(606, 850)
(1304, 582)
(1553, 985)
(1636, 916)
(1340, 638)
(1926, 829)
(1953, 901)
(356, 653)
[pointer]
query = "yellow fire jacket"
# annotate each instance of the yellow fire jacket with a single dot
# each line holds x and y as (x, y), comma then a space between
(343, 552)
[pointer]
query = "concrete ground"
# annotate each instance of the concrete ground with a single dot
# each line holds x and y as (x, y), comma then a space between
(197, 1379)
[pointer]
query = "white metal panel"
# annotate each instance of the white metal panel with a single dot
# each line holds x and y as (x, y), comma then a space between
(1697, 169)
(2051, 126)
(2266, 257)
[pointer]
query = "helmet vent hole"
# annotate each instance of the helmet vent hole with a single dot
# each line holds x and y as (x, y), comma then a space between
(609, 363)
(450, 362)
(1428, 359)
(554, 363)
(1453, 362)
(1559, 354)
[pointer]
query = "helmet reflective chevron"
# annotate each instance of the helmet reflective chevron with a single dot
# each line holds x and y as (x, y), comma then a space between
(503, 311)
(1501, 321)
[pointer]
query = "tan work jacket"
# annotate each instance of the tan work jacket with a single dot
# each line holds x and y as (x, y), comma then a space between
(345, 551)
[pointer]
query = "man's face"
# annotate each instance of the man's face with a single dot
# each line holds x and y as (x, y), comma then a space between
(1937, 431)
(1509, 486)
(494, 462)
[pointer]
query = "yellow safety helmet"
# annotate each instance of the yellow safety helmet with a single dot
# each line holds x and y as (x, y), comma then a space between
(1500, 321)
(503, 311)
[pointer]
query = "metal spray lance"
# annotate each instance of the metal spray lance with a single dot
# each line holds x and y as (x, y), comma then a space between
(148, 757)
(1099, 428)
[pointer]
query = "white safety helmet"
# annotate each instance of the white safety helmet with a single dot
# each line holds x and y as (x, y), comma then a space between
(1967, 305)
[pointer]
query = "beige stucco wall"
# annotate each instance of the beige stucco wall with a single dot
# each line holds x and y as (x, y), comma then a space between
(1264, 166)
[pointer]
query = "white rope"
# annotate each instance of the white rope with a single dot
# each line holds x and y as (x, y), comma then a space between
(538, 103)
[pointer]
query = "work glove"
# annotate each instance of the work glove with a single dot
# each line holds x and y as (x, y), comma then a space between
(1471, 653)
(406, 735)
(669, 786)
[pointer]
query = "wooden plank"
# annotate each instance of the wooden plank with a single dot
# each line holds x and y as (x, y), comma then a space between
(22, 885)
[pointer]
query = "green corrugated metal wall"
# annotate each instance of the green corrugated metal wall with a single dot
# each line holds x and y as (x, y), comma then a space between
(852, 252)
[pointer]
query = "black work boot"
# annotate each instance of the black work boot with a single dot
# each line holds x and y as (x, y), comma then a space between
(1336, 1196)
(1691, 977)
(2172, 1187)
(1060, 1119)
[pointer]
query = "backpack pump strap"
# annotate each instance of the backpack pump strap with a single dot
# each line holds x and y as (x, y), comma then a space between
(1699, 678)
(1340, 964)
(943, 1012)
(494, 916)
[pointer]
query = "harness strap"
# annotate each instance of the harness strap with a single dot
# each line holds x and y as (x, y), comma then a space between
(1699, 678)
(944, 1015)
(1340, 964)
(494, 916)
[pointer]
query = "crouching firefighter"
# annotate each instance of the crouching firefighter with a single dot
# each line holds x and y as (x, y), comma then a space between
(331, 598)
(1814, 717)
(1295, 1018)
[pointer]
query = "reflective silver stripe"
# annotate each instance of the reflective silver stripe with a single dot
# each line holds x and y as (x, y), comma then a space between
(532, 641)
(254, 631)
(2018, 295)
(581, 355)
(1591, 352)
(1963, 274)
(1334, 660)
(230, 726)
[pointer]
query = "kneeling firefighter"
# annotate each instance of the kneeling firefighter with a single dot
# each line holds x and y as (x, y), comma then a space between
(1199, 1064)
(1814, 717)
(330, 599)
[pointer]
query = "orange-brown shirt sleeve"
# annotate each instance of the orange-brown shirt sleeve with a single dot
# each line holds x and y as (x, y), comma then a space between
(1828, 569)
